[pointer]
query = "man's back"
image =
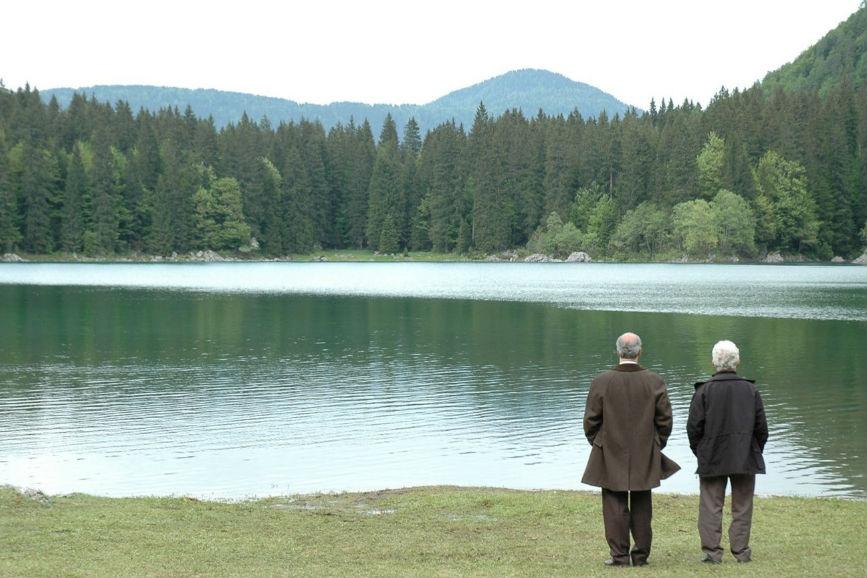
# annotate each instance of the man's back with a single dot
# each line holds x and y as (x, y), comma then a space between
(628, 421)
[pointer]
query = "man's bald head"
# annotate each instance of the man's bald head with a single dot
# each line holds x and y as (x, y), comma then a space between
(629, 346)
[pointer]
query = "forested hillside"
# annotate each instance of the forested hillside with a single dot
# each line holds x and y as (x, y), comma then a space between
(751, 173)
(839, 56)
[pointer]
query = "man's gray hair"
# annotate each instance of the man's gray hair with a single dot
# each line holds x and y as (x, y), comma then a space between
(629, 346)
(726, 356)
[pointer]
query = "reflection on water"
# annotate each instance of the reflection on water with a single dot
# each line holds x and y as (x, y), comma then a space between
(128, 391)
(800, 291)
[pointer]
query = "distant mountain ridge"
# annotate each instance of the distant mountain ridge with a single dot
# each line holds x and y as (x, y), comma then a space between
(528, 90)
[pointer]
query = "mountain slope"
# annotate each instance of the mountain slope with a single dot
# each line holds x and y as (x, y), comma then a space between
(839, 54)
(530, 90)
(527, 90)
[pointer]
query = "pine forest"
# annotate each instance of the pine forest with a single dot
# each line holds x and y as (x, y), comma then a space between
(757, 171)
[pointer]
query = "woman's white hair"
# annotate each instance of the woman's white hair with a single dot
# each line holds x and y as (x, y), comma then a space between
(726, 356)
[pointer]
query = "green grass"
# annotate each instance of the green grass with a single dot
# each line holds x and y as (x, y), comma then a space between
(430, 531)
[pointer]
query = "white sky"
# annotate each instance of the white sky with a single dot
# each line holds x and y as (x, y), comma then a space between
(406, 52)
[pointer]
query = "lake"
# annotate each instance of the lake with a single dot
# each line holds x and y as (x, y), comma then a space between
(238, 380)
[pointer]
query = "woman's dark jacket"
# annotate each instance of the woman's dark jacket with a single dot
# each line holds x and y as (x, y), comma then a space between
(726, 427)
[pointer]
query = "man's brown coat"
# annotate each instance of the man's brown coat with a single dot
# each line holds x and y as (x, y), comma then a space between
(627, 419)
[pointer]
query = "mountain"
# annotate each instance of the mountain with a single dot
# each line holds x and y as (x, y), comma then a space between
(840, 54)
(528, 90)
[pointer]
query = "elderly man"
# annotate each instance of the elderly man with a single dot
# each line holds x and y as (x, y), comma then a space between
(627, 419)
(727, 432)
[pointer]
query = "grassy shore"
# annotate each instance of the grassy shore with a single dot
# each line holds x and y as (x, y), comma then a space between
(429, 531)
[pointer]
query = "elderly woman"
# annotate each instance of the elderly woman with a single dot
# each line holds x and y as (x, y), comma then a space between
(727, 432)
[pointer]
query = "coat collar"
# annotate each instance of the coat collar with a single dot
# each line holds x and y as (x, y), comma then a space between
(628, 367)
(724, 376)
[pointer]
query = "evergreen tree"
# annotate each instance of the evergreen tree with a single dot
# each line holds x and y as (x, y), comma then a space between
(676, 156)
(313, 152)
(299, 234)
(638, 153)
(389, 239)
(557, 161)
(148, 162)
(354, 159)
(442, 176)
(271, 238)
(411, 145)
(710, 163)
(76, 194)
(105, 219)
(123, 127)
(493, 180)
(37, 175)
(409, 195)
(384, 190)
(218, 217)
(10, 236)
(134, 206)
(582, 205)
(421, 222)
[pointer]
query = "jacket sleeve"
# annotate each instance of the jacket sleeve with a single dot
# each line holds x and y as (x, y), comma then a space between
(663, 419)
(760, 427)
(592, 414)
(695, 421)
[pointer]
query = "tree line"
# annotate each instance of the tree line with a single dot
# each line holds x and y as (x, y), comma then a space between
(750, 174)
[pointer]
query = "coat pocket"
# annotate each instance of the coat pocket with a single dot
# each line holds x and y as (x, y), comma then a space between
(599, 439)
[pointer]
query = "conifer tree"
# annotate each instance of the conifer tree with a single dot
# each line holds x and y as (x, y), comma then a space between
(710, 163)
(10, 235)
(389, 239)
(356, 166)
(313, 153)
(37, 186)
(441, 175)
(299, 235)
(76, 194)
(384, 190)
(104, 221)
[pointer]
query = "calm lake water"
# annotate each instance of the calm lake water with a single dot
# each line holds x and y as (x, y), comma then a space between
(241, 380)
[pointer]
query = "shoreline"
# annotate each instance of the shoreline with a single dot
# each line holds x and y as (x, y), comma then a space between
(361, 256)
(42, 496)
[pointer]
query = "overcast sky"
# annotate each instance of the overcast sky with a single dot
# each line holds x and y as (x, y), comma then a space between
(405, 52)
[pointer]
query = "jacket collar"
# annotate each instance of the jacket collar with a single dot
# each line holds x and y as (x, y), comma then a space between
(628, 367)
(724, 376)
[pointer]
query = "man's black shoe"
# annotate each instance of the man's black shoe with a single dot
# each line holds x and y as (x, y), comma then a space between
(613, 562)
(709, 560)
